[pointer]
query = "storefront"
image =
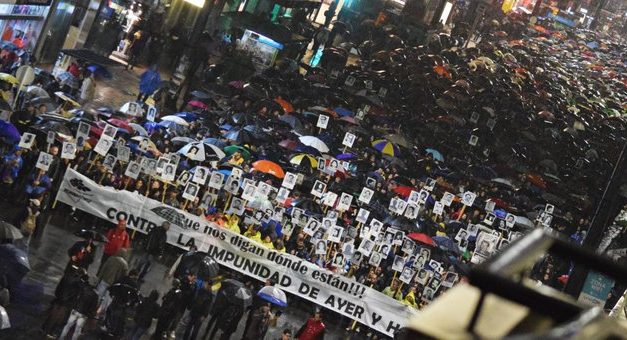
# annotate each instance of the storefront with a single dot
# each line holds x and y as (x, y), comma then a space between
(21, 23)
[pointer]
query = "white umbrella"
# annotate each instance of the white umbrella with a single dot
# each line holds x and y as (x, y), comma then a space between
(139, 129)
(36, 91)
(315, 143)
(176, 120)
(504, 181)
(132, 109)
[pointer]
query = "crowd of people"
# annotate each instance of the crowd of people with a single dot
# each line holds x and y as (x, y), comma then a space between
(400, 172)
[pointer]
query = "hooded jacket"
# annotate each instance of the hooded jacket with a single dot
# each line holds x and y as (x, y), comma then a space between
(115, 267)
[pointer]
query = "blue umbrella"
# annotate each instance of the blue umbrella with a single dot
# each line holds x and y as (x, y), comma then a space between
(152, 126)
(500, 213)
(307, 149)
(343, 111)
(436, 154)
(9, 132)
(99, 71)
(446, 244)
(274, 295)
(226, 127)
(345, 156)
(188, 116)
(214, 141)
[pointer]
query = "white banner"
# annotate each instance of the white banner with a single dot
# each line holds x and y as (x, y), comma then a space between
(292, 274)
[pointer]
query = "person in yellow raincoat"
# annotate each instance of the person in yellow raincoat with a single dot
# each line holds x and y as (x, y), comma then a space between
(393, 291)
(267, 242)
(253, 233)
(410, 298)
(232, 224)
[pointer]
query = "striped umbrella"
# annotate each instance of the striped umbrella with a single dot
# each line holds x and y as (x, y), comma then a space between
(303, 157)
(386, 147)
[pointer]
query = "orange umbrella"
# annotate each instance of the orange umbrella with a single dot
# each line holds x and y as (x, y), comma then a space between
(269, 167)
(287, 107)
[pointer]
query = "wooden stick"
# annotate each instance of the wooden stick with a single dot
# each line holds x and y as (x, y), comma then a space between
(185, 204)
(228, 201)
(102, 178)
(92, 162)
(165, 188)
(461, 213)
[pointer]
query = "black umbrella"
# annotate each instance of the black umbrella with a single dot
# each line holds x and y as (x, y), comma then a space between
(9, 232)
(200, 264)
(236, 293)
(124, 294)
(90, 234)
(14, 263)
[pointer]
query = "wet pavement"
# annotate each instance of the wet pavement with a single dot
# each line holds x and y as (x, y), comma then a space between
(48, 257)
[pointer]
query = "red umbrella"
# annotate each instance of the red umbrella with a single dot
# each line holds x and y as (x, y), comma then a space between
(500, 203)
(403, 191)
(422, 238)
(122, 124)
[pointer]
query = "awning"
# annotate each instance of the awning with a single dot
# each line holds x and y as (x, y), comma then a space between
(91, 57)
(298, 3)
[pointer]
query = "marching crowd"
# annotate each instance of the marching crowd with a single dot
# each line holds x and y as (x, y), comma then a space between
(403, 208)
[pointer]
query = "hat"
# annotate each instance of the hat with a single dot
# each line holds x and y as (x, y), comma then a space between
(34, 202)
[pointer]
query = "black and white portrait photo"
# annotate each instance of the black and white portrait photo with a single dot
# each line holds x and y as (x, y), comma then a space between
(289, 181)
(200, 175)
(362, 215)
(68, 151)
(237, 206)
(216, 179)
(366, 195)
(109, 162)
(323, 121)
(345, 202)
(398, 264)
(335, 234)
(407, 275)
(132, 170)
(190, 192)
(318, 189)
(43, 161)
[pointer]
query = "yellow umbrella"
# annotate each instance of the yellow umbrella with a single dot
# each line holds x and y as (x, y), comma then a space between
(298, 160)
(8, 78)
(66, 98)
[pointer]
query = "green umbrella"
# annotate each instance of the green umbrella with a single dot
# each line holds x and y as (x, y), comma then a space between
(231, 149)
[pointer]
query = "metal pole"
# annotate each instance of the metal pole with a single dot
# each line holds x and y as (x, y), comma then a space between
(607, 209)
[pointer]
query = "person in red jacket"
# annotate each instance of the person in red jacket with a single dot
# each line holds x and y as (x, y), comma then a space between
(117, 238)
(313, 329)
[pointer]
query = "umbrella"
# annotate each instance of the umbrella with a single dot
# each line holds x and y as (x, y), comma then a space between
(235, 293)
(199, 151)
(214, 141)
(231, 149)
(269, 167)
(121, 124)
(36, 91)
(99, 70)
(422, 238)
(198, 104)
(386, 147)
(524, 222)
(85, 233)
(176, 120)
(182, 140)
(273, 295)
(14, 263)
(300, 158)
(435, 154)
(188, 116)
(399, 140)
(403, 190)
(8, 78)
(315, 143)
(200, 95)
(139, 129)
(345, 156)
(9, 132)
(136, 110)
(350, 120)
(293, 121)
(66, 78)
(446, 244)
(289, 144)
(66, 98)
(503, 181)
(343, 112)
(9, 232)
(285, 105)
(239, 136)
(202, 265)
